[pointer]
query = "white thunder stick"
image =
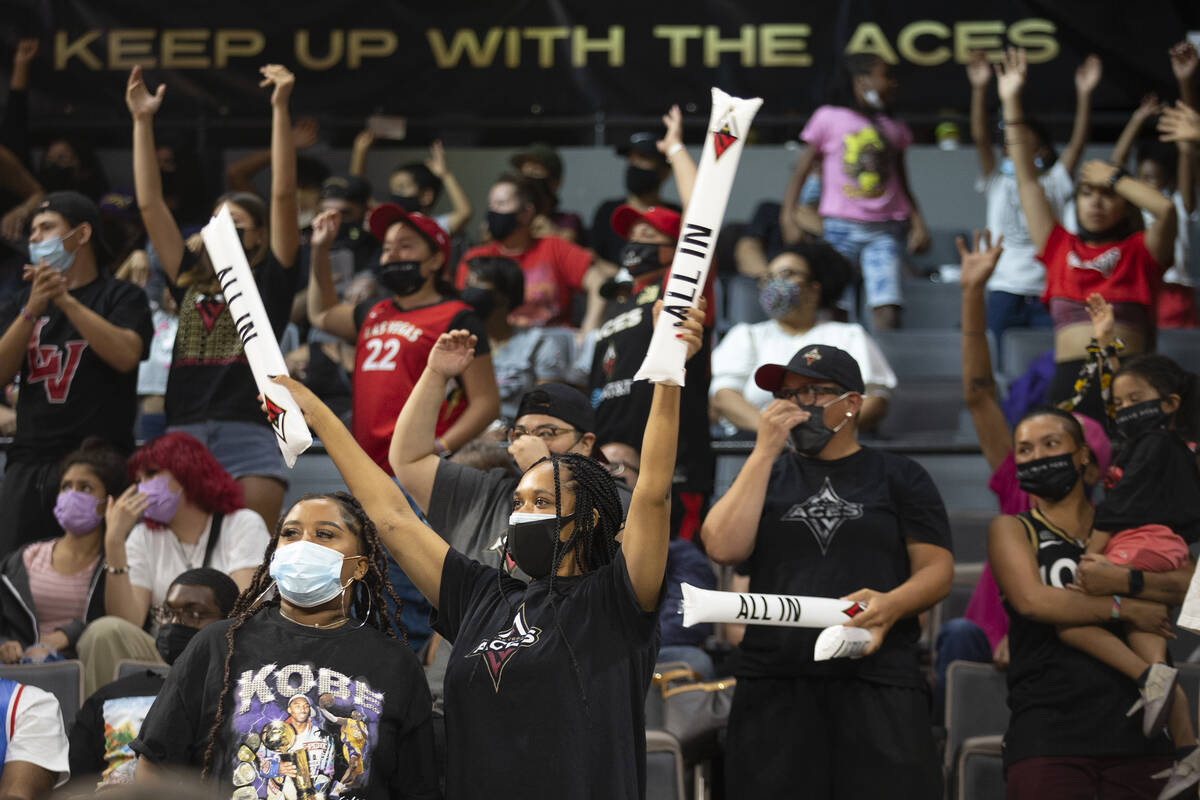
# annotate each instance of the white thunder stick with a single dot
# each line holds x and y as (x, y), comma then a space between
(841, 642)
(728, 126)
(793, 611)
(245, 305)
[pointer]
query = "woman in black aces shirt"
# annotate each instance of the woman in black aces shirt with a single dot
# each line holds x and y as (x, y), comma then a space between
(546, 684)
(832, 519)
(1068, 733)
(313, 695)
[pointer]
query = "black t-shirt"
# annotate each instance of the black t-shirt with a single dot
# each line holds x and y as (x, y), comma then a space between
(623, 404)
(545, 700)
(353, 699)
(112, 716)
(603, 238)
(1152, 480)
(210, 378)
(1063, 701)
(67, 391)
(829, 528)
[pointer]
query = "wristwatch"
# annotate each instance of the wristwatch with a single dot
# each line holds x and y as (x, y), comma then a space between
(1137, 582)
(1116, 176)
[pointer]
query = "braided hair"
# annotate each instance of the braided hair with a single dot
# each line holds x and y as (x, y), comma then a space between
(367, 602)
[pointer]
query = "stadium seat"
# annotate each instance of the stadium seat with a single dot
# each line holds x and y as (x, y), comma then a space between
(968, 531)
(63, 679)
(664, 767)
(931, 304)
(979, 770)
(923, 352)
(923, 406)
(741, 300)
(566, 336)
(976, 705)
(1019, 347)
(130, 666)
(1181, 345)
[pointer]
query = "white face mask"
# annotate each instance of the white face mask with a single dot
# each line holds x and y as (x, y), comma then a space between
(872, 98)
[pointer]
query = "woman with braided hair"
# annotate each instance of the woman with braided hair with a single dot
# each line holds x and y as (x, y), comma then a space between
(546, 683)
(258, 701)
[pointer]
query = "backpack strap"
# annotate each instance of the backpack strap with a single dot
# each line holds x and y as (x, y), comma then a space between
(214, 533)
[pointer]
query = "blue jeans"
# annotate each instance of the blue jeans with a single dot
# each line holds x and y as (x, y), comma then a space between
(1006, 310)
(957, 640)
(877, 249)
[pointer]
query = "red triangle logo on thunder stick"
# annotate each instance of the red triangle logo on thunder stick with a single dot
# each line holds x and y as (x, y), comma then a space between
(723, 139)
(275, 416)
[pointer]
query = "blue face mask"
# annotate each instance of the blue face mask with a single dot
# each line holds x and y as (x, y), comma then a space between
(308, 574)
(51, 251)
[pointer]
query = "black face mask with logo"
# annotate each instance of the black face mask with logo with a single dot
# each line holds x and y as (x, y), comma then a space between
(1132, 421)
(640, 258)
(403, 278)
(1051, 478)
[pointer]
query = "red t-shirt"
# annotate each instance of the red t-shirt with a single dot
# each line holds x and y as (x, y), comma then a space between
(553, 269)
(1123, 272)
(393, 346)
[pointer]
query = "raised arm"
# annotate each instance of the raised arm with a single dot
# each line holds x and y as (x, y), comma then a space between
(359, 152)
(1184, 63)
(460, 203)
(325, 311)
(671, 146)
(1011, 557)
(417, 549)
(1087, 77)
(979, 387)
(790, 228)
(147, 181)
(1160, 234)
(1010, 80)
(285, 219)
(648, 523)
(1179, 123)
(483, 395)
(20, 183)
(593, 279)
(979, 74)
(1129, 134)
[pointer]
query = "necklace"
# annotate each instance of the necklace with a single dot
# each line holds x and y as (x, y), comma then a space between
(188, 560)
(317, 625)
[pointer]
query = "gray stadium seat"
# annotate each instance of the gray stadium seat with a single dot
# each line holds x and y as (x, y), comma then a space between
(931, 304)
(130, 666)
(980, 769)
(1020, 346)
(976, 705)
(664, 767)
(741, 300)
(969, 530)
(923, 352)
(1181, 345)
(63, 679)
(922, 405)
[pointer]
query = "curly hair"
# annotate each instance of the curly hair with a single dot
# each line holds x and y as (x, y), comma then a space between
(105, 461)
(204, 480)
(367, 603)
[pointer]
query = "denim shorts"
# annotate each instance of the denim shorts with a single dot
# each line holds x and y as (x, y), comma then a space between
(877, 249)
(244, 449)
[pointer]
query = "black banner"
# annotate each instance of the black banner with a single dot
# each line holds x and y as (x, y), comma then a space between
(569, 58)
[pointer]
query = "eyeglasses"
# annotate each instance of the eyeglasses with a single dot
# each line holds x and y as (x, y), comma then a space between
(807, 395)
(793, 275)
(194, 616)
(543, 432)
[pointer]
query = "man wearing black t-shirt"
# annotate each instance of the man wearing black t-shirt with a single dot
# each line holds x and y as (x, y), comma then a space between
(75, 336)
(831, 519)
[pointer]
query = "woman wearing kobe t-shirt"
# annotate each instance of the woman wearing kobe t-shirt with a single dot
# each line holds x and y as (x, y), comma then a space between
(830, 518)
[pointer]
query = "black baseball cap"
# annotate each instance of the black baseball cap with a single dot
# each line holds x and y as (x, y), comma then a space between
(77, 209)
(820, 361)
(350, 188)
(562, 402)
(644, 143)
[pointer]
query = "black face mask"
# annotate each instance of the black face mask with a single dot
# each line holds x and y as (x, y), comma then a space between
(1132, 421)
(409, 202)
(1119, 230)
(640, 181)
(1051, 478)
(531, 544)
(172, 638)
(501, 225)
(482, 300)
(57, 178)
(811, 436)
(401, 277)
(640, 258)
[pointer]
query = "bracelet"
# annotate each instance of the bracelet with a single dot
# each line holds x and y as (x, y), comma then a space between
(1116, 176)
(117, 570)
(1116, 609)
(673, 149)
(25, 314)
(442, 450)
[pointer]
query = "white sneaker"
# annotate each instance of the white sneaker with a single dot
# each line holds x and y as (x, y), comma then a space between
(1156, 697)
(1184, 774)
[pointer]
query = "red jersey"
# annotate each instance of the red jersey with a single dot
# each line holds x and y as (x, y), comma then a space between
(1123, 272)
(393, 346)
(553, 269)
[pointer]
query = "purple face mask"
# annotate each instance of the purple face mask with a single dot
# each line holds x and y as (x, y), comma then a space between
(77, 512)
(162, 501)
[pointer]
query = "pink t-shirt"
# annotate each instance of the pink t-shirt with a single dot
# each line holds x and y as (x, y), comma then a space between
(860, 172)
(57, 599)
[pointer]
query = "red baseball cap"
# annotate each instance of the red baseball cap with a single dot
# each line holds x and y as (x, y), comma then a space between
(663, 220)
(385, 214)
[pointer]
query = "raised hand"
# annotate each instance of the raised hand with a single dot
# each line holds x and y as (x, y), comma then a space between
(1179, 123)
(26, 50)
(979, 262)
(305, 133)
(1184, 61)
(123, 513)
(691, 330)
(325, 227)
(1087, 74)
(1097, 172)
(673, 122)
(979, 71)
(281, 78)
(1010, 74)
(775, 423)
(452, 353)
(1103, 319)
(436, 163)
(1149, 106)
(12, 224)
(308, 402)
(139, 101)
